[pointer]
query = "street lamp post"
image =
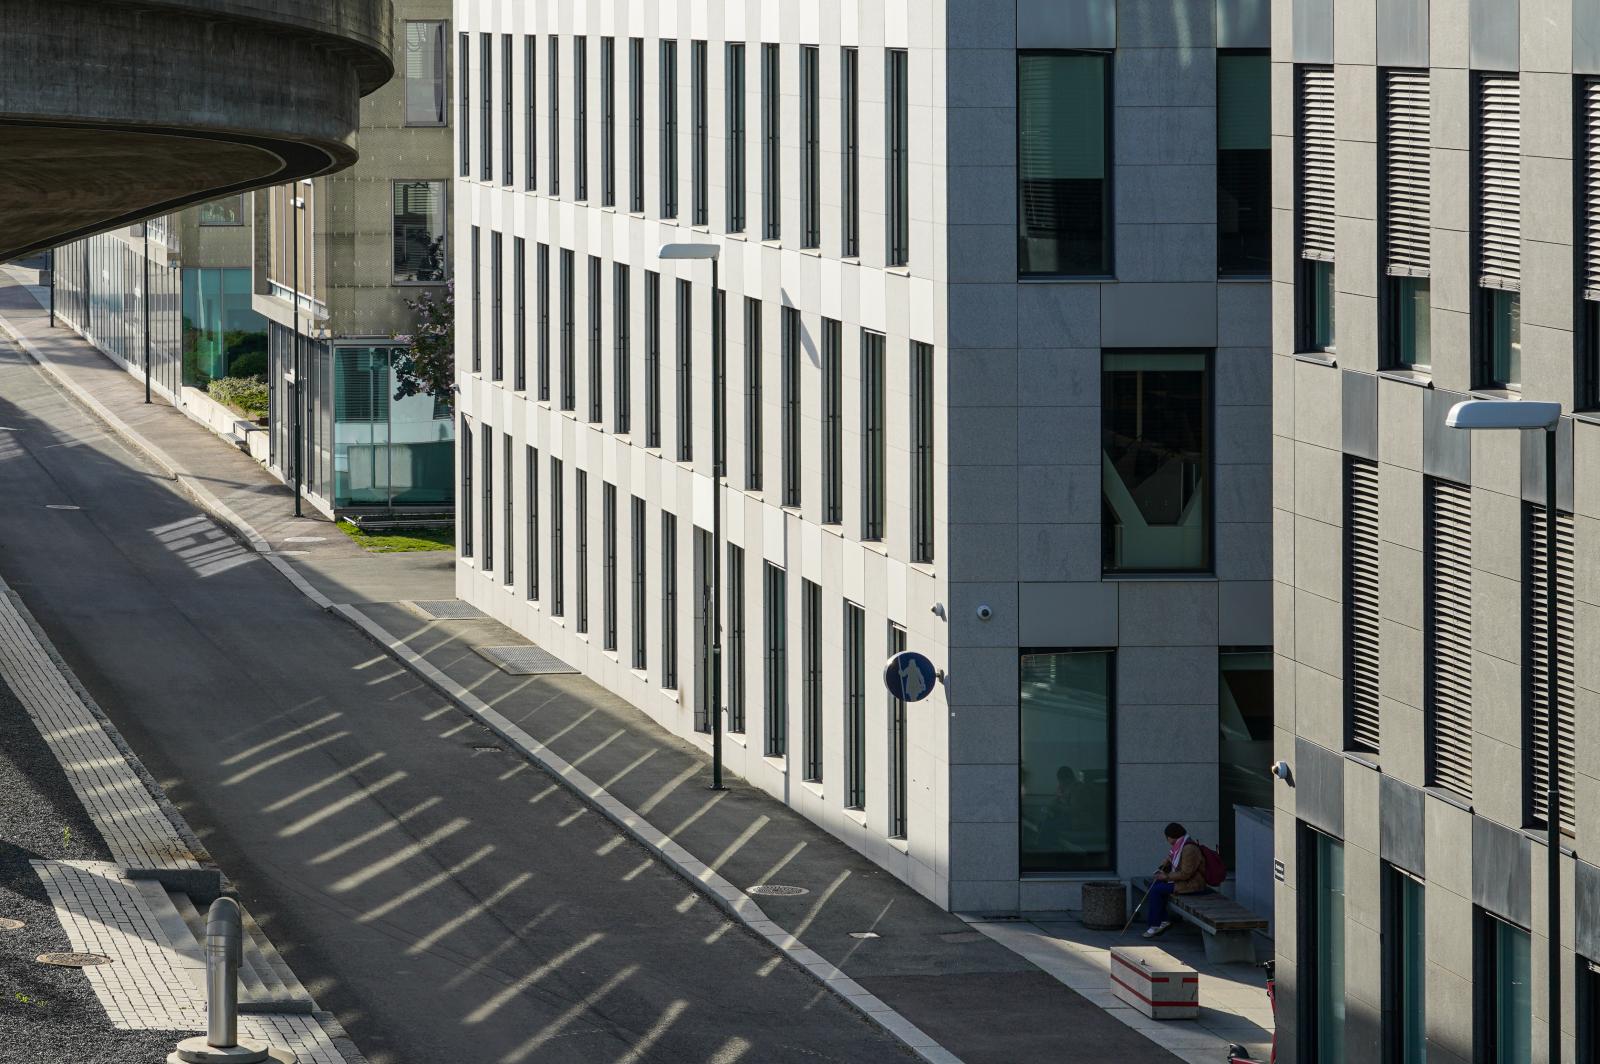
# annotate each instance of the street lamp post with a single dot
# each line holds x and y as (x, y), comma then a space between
(1498, 414)
(689, 252)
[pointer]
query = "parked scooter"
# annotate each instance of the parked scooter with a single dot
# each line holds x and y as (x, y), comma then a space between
(1238, 1054)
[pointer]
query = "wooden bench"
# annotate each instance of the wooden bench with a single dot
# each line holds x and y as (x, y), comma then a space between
(1227, 927)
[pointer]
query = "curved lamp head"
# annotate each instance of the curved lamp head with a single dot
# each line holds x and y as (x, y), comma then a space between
(690, 251)
(1482, 414)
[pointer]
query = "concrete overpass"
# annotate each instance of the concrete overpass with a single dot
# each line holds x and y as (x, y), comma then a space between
(115, 110)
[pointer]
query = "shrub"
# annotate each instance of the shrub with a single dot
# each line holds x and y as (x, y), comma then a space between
(244, 393)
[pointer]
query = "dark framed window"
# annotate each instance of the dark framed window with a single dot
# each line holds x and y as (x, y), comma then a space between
(608, 566)
(1244, 163)
(464, 533)
(775, 659)
(497, 321)
(922, 435)
(771, 144)
(558, 557)
(622, 342)
(699, 165)
(897, 150)
(1064, 163)
(608, 121)
(736, 644)
(874, 445)
(752, 394)
(850, 152)
(1156, 433)
(477, 300)
(426, 71)
(542, 341)
(855, 706)
(1244, 738)
(531, 457)
(486, 484)
(669, 129)
(1405, 167)
(640, 612)
(1405, 968)
(685, 389)
(569, 339)
(1499, 336)
(810, 147)
(580, 117)
(1315, 152)
(669, 601)
(792, 354)
(509, 504)
(486, 106)
(421, 220)
(530, 112)
(652, 359)
(580, 547)
(1497, 231)
(519, 317)
(898, 747)
(734, 109)
(553, 120)
(636, 125)
(1503, 989)
(705, 559)
(1321, 934)
(596, 343)
(464, 100)
(832, 423)
(1067, 735)
(508, 126)
(1587, 997)
(811, 678)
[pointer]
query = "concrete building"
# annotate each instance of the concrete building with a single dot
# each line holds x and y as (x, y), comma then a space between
(996, 316)
(1436, 239)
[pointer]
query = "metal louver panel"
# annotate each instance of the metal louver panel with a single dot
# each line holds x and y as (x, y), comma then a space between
(1499, 182)
(1316, 163)
(1406, 173)
(1448, 651)
(1591, 188)
(1362, 637)
(1538, 657)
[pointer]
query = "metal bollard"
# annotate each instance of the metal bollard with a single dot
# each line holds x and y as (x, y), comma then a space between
(224, 954)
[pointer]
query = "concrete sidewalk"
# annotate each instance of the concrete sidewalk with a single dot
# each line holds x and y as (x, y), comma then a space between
(950, 990)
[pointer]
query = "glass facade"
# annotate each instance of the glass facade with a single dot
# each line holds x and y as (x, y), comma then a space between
(1244, 739)
(1156, 434)
(99, 284)
(1066, 762)
(226, 211)
(222, 335)
(1063, 166)
(421, 232)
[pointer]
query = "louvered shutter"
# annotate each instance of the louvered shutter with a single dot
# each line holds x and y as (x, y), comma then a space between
(1361, 604)
(1406, 171)
(1449, 636)
(1499, 182)
(1316, 163)
(1591, 188)
(1539, 648)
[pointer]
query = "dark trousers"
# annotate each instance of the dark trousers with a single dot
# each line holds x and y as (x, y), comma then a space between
(1156, 906)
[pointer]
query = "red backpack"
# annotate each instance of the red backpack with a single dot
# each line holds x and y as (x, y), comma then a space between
(1211, 866)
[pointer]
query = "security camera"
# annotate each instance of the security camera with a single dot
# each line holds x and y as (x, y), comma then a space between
(984, 612)
(1281, 770)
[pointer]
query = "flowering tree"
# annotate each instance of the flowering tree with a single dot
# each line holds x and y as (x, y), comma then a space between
(426, 362)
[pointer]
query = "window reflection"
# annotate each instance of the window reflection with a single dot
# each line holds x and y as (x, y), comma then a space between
(1155, 464)
(419, 231)
(1065, 770)
(425, 66)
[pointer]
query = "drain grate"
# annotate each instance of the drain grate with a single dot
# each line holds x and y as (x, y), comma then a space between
(776, 890)
(449, 610)
(73, 960)
(525, 660)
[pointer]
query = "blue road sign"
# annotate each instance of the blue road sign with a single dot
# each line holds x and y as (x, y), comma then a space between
(909, 676)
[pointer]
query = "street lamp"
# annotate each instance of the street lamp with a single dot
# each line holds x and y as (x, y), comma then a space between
(687, 253)
(1479, 415)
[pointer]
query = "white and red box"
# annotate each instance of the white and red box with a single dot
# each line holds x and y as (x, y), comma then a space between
(1155, 982)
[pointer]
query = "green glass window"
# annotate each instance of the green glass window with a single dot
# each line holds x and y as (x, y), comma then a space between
(1063, 136)
(222, 335)
(386, 451)
(1317, 316)
(1509, 992)
(1502, 339)
(1155, 428)
(1411, 305)
(1328, 946)
(1244, 163)
(1407, 937)
(1244, 719)
(1066, 767)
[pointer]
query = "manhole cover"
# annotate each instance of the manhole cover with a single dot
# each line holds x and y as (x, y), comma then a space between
(777, 890)
(8, 924)
(525, 660)
(61, 506)
(73, 960)
(451, 609)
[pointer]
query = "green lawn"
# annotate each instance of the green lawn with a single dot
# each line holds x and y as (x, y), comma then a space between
(393, 540)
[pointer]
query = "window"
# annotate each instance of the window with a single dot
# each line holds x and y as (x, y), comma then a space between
(850, 151)
(1540, 646)
(1405, 170)
(497, 323)
(553, 120)
(486, 87)
(922, 493)
(622, 343)
(705, 559)
(507, 471)
(464, 535)
(638, 618)
(652, 359)
(530, 111)
(898, 152)
(791, 406)
(1067, 784)
(543, 271)
(1588, 240)
(752, 394)
(608, 566)
(719, 372)
(1322, 931)
(771, 144)
(519, 320)
(873, 448)
(608, 122)
(1063, 163)
(464, 96)
(531, 456)
(736, 649)
(580, 552)
(810, 148)
(733, 84)
(636, 125)
(1156, 429)
(425, 64)
(569, 340)
(669, 601)
(229, 210)
(1498, 225)
(1244, 164)
(596, 377)
(1315, 166)
(685, 323)
(1504, 989)
(1362, 605)
(1447, 635)
(775, 660)
(477, 300)
(421, 234)
(811, 678)
(855, 707)
(1588, 1002)
(488, 499)
(558, 557)
(580, 116)
(700, 163)
(669, 129)
(897, 746)
(832, 424)
(1405, 941)
(1244, 738)
(508, 129)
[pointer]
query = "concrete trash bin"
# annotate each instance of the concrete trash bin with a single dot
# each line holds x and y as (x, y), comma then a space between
(1155, 983)
(1105, 905)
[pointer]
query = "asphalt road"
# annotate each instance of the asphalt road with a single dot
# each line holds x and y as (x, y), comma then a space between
(441, 897)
